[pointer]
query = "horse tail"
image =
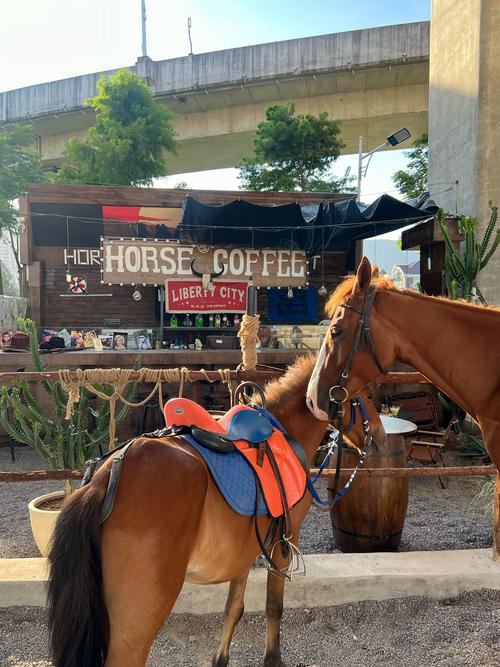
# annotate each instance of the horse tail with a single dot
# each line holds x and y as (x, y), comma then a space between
(78, 618)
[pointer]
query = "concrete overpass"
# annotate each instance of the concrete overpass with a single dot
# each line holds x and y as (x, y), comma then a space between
(375, 81)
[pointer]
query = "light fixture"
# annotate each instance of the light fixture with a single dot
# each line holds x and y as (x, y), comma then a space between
(401, 135)
(136, 295)
(290, 293)
(322, 291)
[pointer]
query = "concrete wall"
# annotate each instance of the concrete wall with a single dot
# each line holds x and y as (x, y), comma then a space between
(464, 114)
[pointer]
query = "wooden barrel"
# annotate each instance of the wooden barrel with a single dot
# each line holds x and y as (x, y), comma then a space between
(371, 515)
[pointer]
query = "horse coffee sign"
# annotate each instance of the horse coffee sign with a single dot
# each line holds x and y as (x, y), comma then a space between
(152, 262)
(188, 296)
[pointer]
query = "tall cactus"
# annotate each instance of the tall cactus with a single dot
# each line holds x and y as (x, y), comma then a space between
(461, 269)
(62, 443)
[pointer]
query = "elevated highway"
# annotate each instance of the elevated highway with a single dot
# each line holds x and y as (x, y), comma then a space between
(374, 81)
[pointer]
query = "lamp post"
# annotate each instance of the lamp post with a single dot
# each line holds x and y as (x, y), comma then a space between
(393, 140)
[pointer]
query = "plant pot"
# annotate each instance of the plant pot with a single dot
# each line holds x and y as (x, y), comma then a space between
(43, 521)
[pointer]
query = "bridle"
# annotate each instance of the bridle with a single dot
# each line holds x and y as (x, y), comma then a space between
(337, 393)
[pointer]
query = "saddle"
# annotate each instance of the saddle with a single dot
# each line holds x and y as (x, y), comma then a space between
(249, 436)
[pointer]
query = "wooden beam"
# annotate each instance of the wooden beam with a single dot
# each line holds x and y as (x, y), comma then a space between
(48, 193)
(496, 519)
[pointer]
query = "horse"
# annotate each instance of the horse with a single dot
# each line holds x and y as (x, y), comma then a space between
(111, 587)
(453, 343)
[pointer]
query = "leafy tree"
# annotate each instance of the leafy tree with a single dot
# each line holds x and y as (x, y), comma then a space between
(294, 152)
(413, 181)
(126, 146)
(20, 164)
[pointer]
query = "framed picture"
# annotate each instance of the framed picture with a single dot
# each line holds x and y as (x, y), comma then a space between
(142, 339)
(119, 340)
(107, 341)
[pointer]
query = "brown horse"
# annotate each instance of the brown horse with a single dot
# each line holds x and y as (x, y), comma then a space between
(454, 344)
(112, 587)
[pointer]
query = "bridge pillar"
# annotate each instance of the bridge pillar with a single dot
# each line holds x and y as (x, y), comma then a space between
(464, 115)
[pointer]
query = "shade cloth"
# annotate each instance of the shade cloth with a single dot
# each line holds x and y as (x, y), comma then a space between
(250, 225)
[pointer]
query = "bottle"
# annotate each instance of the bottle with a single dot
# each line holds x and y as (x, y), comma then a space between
(187, 321)
(210, 320)
(199, 321)
(224, 320)
(157, 344)
(237, 321)
(228, 321)
(173, 320)
(217, 321)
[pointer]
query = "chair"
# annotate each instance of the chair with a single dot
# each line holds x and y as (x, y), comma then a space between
(429, 442)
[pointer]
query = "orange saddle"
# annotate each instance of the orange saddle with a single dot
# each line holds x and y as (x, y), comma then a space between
(244, 430)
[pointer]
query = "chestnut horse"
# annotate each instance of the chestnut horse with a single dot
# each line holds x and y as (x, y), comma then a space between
(112, 587)
(456, 346)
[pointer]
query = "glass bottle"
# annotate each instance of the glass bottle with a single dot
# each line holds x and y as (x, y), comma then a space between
(173, 320)
(210, 320)
(187, 321)
(224, 320)
(237, 321)
(228, 322)
(217, 321)
(199, 321)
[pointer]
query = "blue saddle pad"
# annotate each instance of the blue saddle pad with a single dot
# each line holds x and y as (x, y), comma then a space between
(234, 478)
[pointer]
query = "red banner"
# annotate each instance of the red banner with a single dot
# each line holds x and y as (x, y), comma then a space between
(188, 296)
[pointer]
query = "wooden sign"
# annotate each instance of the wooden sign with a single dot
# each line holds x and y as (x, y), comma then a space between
(188, 296)
(132, 262)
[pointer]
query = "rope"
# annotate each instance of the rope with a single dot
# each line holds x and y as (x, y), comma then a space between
(118, 379)
(248, 335)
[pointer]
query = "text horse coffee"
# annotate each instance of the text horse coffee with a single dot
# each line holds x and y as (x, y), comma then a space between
(153, 262)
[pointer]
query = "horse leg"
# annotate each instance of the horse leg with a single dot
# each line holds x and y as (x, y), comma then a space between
(491, 436)
(232, 614)
(274, 612)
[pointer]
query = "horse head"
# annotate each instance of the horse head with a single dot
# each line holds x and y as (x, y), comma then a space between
(355, 350)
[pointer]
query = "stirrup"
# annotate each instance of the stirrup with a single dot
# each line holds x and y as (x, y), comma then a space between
(295, 568)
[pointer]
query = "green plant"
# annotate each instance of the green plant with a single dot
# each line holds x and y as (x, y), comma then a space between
(461, 269)
(62, 443)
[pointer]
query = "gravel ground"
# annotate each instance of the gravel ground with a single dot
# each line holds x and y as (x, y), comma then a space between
(410, 632)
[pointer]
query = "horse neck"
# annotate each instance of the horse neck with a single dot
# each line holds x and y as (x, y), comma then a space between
(447, 342)
(300, 422)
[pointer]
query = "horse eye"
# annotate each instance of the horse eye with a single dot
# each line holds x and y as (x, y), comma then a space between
(335, 332)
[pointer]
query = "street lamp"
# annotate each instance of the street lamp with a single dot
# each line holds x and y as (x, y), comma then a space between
(392, 140)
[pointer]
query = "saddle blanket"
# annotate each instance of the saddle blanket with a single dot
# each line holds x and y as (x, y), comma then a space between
(235, 472)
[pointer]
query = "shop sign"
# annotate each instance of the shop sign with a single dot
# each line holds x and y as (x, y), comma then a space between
(129, 261)
(188, 296)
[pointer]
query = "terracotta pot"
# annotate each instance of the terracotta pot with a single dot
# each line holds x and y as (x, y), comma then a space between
(43, 521)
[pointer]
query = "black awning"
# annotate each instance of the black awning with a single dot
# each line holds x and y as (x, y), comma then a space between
(241, 224)
(250, 225)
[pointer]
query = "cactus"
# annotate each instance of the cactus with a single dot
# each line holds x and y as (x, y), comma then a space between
(461, 270)
(62, 443)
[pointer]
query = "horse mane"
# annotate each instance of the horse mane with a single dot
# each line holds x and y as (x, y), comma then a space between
(297, 376)
(345, 288)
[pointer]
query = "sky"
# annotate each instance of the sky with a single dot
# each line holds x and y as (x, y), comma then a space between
(45, 40)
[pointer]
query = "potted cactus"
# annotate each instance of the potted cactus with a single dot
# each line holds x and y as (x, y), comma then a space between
(62, 443)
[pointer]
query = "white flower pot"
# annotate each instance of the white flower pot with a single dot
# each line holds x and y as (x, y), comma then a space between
(43, 521)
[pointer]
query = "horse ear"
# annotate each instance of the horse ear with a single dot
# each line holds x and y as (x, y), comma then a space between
(363, 276)
(375, 271)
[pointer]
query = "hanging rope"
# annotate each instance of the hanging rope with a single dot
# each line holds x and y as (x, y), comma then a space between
(118, 379)
(248, 335)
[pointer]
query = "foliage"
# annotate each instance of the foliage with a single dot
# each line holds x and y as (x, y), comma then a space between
(10, 282)
(412, 182)
(62, 443)
(20, 164)
(461, 270)
(484, 499)
(294, 152)
(126, 146)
